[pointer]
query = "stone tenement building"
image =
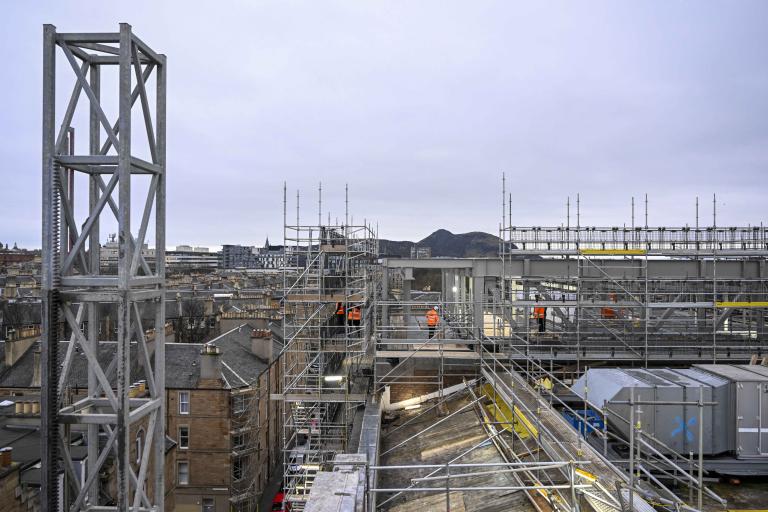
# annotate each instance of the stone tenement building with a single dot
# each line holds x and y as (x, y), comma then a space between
(223, 431)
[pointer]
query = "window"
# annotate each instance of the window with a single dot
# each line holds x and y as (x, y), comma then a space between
(183, 402)
(208, 505)
(183, 437)
(239, 440)
(238, 468)
(183, 473)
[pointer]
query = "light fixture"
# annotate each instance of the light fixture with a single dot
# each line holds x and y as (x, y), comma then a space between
(333, 378)
(412, 407)
(310, 467)
(455, 289)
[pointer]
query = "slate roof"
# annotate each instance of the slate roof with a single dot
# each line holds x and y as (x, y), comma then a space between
(20, 375)
(23, 435)
(240, 367)
(182, 365)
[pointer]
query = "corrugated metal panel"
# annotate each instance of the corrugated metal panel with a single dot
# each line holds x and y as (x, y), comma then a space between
(755, 368)
(733, 372)
(604, 384)
(707, 378)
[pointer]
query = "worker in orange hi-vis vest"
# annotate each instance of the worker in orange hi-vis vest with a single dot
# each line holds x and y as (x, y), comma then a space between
(354, 316)
(432, 320)
(540, 314)
(340, 313)
(609, 313)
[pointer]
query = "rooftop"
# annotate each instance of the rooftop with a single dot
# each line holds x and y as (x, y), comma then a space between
(240, 366)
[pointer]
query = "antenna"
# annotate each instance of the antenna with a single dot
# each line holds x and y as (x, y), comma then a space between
(346, 204)
(568, 212)
(320, 204)
(633, 213)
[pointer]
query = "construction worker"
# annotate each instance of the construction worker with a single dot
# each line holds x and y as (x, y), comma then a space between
(340, 313)
(609, 313)
(540, 314)
(432, 320)
(354, 316)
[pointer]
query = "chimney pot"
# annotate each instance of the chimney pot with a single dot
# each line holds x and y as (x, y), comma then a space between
(6, 456)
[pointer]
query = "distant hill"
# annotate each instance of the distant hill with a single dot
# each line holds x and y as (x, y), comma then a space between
(446, 244)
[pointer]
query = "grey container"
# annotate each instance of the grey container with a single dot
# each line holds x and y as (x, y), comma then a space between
(673, 425)
(747, 407)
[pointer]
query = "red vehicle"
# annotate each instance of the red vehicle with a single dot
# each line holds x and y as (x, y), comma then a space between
(278, 502)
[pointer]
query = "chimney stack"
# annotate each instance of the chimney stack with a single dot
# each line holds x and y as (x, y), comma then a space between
(15, 348)
(210, 362)
(261, 344)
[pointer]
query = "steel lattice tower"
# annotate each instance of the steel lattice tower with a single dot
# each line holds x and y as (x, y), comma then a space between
(75, 287)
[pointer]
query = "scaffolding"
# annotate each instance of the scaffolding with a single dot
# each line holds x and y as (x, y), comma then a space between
(411, 356)
(444, 353)
(632, 294)
(550, 470)
(245, 435)
(328, 309)
(635, 293)
(443, 363)
(521, 413)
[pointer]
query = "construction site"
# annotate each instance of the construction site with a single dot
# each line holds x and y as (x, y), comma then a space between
(621, 367)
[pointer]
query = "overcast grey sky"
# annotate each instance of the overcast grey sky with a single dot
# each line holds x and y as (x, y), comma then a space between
(420, 106)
